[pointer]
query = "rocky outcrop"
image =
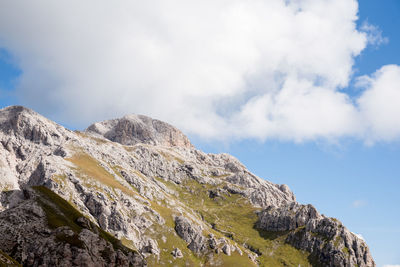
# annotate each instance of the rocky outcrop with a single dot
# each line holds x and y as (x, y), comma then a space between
(331, 244)
(200, 244)
(133, 129)
(42, 230)
(287, 217)
(23, 123)
(191, 233)
(328, 241)
(177, 253)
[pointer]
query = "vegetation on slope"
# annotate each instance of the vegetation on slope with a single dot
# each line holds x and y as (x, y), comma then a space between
(230, 215)
(233, 216)
(60, 213)
(90, 168)
(169, 240)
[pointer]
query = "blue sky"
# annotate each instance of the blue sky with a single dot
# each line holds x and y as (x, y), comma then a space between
(351, 181)
(351, 173)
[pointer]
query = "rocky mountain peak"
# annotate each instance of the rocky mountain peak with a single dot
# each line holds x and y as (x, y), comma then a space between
(133, 129)
(79, 199)
(24, 123)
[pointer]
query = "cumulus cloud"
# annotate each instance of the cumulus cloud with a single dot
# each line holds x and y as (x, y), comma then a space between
(217, 69)
(379, 104)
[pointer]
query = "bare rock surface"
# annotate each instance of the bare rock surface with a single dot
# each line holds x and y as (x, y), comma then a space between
(332, 244)
(133, 129)
(142, 181)
(328, 241)
(30, 236)
(191, 233)
(177, 253)
(287, 217)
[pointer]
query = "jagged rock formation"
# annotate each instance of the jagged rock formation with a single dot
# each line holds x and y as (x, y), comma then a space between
(141, 181)
(286, 217)
(43, 229)
(328, 241)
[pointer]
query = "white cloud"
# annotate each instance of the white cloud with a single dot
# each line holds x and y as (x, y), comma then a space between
(390, 265)
(374, 34)
(217, 69)
(379, 104)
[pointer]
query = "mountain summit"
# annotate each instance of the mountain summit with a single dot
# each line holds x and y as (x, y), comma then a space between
(135, 192)
(134, 129)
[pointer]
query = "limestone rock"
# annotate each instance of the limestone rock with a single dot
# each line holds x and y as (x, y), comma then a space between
(133, 129)
(191, 233)
(227, 249)
(287, 217)
(177, 253)
(23, 123)
(151, 247)
(326, 239)
(332, 244)
(33, 238)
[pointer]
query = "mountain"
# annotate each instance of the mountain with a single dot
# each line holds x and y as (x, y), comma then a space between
(135, 192)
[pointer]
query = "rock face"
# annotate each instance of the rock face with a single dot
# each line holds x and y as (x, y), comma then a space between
(191, 234)
(328, 241)
(331, 244)
(134, 191)
(65, 241)
(286, 217)
(133, 129)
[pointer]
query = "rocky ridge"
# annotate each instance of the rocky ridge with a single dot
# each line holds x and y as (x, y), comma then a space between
(143, 182)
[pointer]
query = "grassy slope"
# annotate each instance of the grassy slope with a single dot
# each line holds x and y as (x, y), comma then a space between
(91, 168)
(232, 216)
(60, 213)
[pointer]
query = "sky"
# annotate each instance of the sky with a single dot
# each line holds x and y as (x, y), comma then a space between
(303, 92)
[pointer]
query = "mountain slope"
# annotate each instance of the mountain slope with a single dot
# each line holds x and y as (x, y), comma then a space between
(143, 182)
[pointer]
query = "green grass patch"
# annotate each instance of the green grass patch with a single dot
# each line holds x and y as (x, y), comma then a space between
(60, 213)
(233, 216)
(337, 241)
(165, 212)
(235, 259)
(128, 243)
(92, 169)
(172, 241)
